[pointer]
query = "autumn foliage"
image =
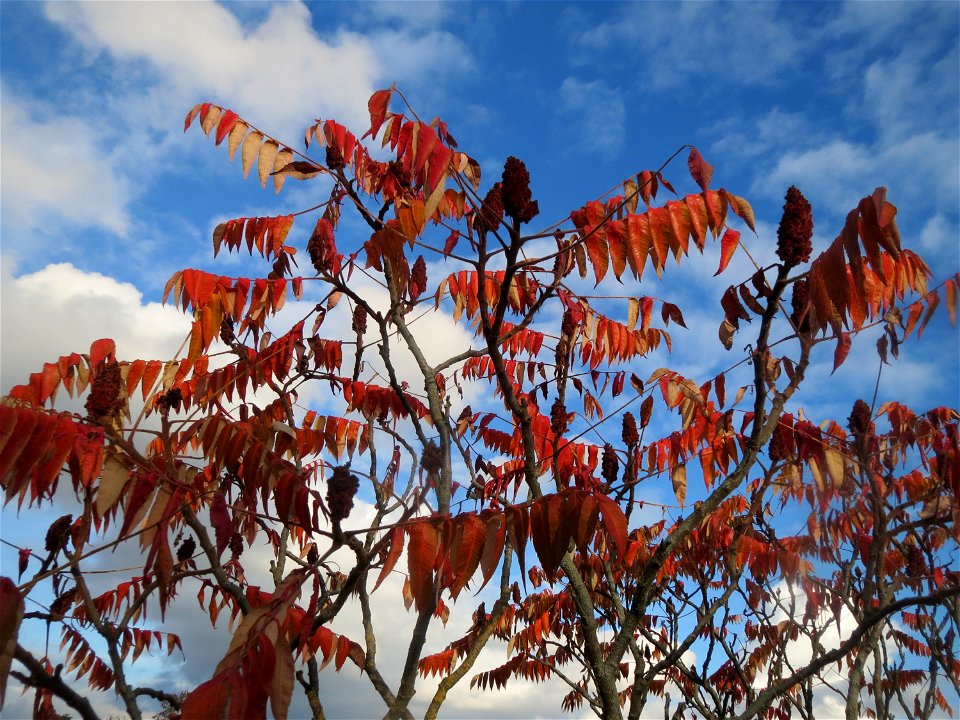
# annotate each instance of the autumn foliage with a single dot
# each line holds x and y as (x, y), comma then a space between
(618, 517)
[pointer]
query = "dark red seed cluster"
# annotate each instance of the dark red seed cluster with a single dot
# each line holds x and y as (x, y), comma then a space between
(186, 550)
(630, 434)
(226, 330)
(796, 229)
(360, 319)
(859, 420)
(236, 545)
(517, 198)
(418, 278)
(800, 303)
(568, 325)
(777, 449)
(610, 464)
(488, 217)
(402, 176)
(169, 400)
(432, 458)
(558, 418)
(334, 158)
(104, 401)
(916, 563)
(341, 489)
(322, 248)
(57, 533)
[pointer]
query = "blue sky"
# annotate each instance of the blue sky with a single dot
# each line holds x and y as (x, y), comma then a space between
(103, 197)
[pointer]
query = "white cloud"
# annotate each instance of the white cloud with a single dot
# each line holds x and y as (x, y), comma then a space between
(56, 170)
(279, 74)
(750, 43)
(597, 115)
(838, 173)
(60, 309)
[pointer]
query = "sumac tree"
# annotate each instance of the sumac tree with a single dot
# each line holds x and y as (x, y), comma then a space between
(790, 547)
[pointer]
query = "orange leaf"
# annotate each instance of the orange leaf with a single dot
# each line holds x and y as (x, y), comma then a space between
(728, 245)
(598, 253)
(101, 349)
(395, 549)
(617, 236)
(467, 549)
(933, 300)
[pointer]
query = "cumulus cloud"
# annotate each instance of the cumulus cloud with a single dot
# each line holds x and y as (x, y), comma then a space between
(279, 72)
(60, 309)
(56, 171)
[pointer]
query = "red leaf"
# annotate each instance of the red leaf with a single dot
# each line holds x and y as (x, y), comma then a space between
(23, 556)
(720, 388)
(615, 523)
(395, 549)
(617, 237)
(343, 650)
(840, 354)
(207, 700)
(933, 300)
(377, 105)
(496, 527)
(598, 253)
(700, 169)
(226, 124)
(220, 519)
(669, 312)
(646, 409)
(583, 512)
(100, 349)
(422, 553)
(951, 287)
(469, 541)
(518, 525)
(728, 245)
(549, 532)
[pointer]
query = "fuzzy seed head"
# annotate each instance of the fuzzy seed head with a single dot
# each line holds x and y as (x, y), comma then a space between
(796, 229)
(800, 303)
(432, 458)
(104, 402)
(859, 421)
(418, 278)
(489, 214)
(558, 418)
(517, 199)
(630, 434)
(341, 489)
(610, 464)
(359, 319)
